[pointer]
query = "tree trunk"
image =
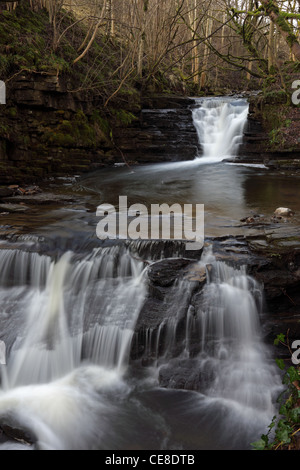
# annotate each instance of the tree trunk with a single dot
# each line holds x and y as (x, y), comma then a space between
(286, 31)
(141, 49)
(97, 26)
(209, 25)
(192, 14)
(271, 48)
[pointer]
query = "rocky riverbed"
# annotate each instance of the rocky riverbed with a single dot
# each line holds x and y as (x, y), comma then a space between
(269, 249)
(274, 262)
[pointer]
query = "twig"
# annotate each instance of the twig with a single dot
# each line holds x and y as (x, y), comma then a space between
(285, 293)
(122, 155)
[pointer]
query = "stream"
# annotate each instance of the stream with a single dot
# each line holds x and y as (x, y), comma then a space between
(69, 305)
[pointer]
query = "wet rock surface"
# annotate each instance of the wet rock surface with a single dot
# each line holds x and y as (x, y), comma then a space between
(274, 264)
(164, 132)
(184, 374)
(164, 273)
(12, 431)
(38, 137)
(256, 147)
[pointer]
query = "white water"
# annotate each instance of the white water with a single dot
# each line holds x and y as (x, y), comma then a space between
(232, 344)
(220, 123)
(65, 379)
(234, 370)
(74, 340)
(70, 322)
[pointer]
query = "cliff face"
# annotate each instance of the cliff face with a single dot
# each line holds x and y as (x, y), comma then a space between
(164, 131)
(271, 136)
(47, 131)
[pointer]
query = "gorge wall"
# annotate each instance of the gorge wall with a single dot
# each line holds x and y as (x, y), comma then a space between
(47, 131)
(271, 134)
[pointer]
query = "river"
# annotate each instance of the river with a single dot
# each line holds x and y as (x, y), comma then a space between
(69, 303)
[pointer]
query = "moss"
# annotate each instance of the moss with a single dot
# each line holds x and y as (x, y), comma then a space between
(124, 117)
(276, 138)
(60, 139)
(284, 26)
(25, 35)
(78, 131)
(12, 112)
(26, 140)
(276, 96)
(4, 129)
(66, 126)
(102, 122)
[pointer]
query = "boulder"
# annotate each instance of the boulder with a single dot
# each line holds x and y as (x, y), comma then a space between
(5, 191)
(163, 273)
(13, 208)
(12, 430)
(284, 212)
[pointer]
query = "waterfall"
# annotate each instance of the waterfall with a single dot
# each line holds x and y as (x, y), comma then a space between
(70, 332)
(70, 335)
(69, 318)
(73, 334)
(220, 123)
(232, 345)
(222, 355)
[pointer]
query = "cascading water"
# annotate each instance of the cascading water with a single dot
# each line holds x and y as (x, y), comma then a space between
(220, 123)
(75, 323)
(223, 355)
(69, 322)
(66, 381)
(232, 342)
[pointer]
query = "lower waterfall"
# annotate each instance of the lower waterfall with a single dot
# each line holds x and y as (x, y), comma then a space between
(69, 381)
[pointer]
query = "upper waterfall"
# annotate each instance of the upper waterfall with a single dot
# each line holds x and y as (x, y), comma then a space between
(220, 124)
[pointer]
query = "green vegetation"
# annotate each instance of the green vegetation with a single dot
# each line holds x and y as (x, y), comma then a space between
(78, 131)
(284, 430)
(25, 42)
(274, 108)
(27, 45)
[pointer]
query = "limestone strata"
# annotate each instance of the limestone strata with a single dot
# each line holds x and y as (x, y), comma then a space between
(47, 131)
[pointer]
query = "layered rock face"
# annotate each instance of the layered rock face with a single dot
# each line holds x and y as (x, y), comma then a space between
(175, 287)
(257, 147)
(47, 131)
(164, 132)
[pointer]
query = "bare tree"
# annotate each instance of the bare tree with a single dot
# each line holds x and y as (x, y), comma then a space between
(286, 30)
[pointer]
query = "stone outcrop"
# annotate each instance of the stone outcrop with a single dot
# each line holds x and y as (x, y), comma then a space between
(274, 264)
(11, 431)
(163, 132)
(47, 131)
(257, 146)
